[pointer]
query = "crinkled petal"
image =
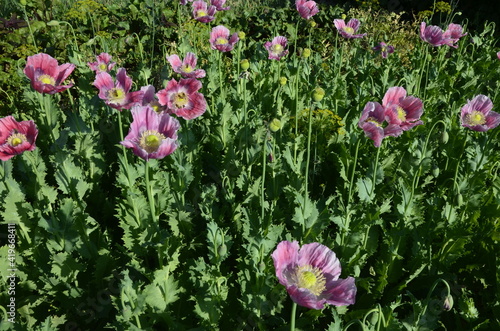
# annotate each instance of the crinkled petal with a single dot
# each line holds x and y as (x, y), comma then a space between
(321, 257)
(285, 257)
(340, 292)
(393, 96)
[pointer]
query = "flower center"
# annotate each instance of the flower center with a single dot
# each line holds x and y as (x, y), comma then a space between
(187, 68)
(16, 139)
(116, 95)
(201, 13)
(180, 100)
(46, 79)
(150, 140)
(103, 67)
(276, 49)
(401, 114)
(221, 41)
(374, 121)
(310, 278)
(348, 30)
(475, 118)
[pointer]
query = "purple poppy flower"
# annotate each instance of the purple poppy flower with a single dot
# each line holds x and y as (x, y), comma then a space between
(186, 67)
(184, 2)
(498, 55)
(306, 9)
(220, 39)
(202, 12)
(348, 30)
(117, 95)
(218, 5)
(453, 34)
(103, 63)
(311, 275)
(402, 110)
(478, 116)
(372, 122)
(16, 137)
(151, 135)
(434, 35)
(149, 98)
(46, 75)
(384, 49)
(183, 99)
(276, 48)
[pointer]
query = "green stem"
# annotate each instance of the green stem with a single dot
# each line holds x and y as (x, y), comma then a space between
(375, 168)
(292, 318)
(149, 191)
(308, 159)
(262, 185)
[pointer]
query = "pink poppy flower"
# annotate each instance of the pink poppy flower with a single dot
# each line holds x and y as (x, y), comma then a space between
(149, 99)
(372, 122)
(46, 74)
(151, 135)
(306, 9)
(16, 137)
(384, 49)
(402, 110)
(186, 67)
(276, 48)
(103, 63)
(218, 5)
(498, 55)
(478, 116)
(220, 39)
(453, 34)
(183, 99)
(184, 2)
(311, 275)
(117, 95)
(348, 30)
(202, 12)
(434, 35)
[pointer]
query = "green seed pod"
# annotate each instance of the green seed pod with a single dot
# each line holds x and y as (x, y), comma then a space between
(435, 171)
(283, 81)
(374, 318)
(460, 199)
(306, 53)
(262, 266)
(275, 125)
(222, 250)
(445, 137)
(53, 23)
(241, 35)
(245, 64)
(318, 94)
(23, 3)
(312, 24)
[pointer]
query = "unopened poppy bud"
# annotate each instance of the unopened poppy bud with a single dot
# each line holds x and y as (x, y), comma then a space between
(262, 266)
(312, 24)
(318, 94)
(374, 318)
(343, 16)
(275, 125)
(22, 2)
(445, 137)
(241, 35)
(448, 303)
(222, 250)
(460, 199)
(283, 81)
(306, 53)
(245, 64)
(53, 23)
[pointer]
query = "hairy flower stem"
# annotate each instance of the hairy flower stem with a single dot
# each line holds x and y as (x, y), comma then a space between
(349, 194)
(375, 168)
(308, 160)
(292, 318)
(149, 190)
(125, 161)
(262, 184)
